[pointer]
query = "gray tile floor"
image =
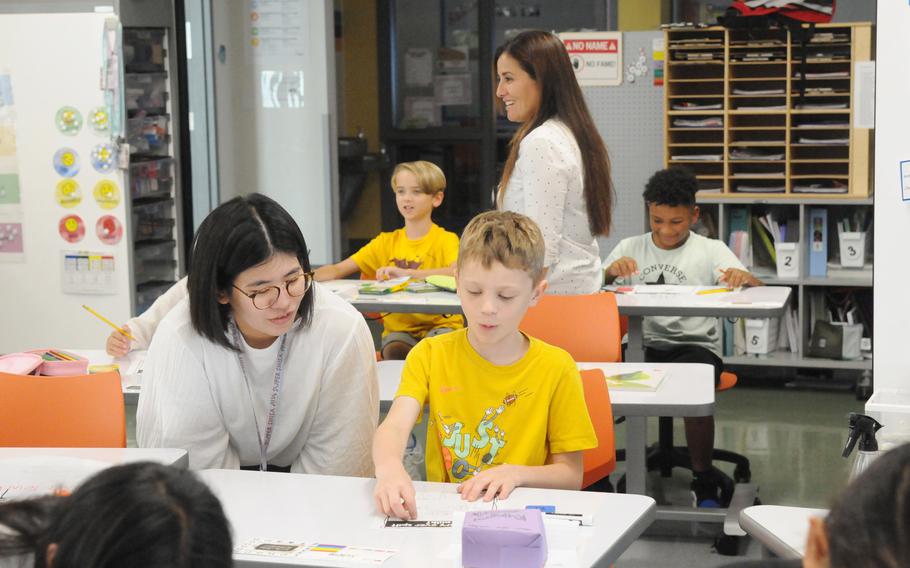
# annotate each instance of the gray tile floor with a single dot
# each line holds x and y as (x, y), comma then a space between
(793, 439)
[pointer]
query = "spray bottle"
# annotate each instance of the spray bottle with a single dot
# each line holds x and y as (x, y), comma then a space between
(862, 428)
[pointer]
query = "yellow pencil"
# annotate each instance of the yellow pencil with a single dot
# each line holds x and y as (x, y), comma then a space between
(713, 291)
(108, 322)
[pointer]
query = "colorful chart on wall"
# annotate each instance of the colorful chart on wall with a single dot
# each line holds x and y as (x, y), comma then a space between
(69, 120)
(103, 156)
(71, 228)
(109, 230)
(107, 194)
(68, 193)
(7, 134)
(99, 119)
(11, 238)
(66, 162)
(9, 188)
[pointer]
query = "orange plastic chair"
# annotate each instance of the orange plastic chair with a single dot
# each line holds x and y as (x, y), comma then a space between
(66, 412)
(600, 461)
(587, 326)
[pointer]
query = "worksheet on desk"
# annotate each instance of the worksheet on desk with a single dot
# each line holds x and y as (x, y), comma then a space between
(676, 290)
(435, 510)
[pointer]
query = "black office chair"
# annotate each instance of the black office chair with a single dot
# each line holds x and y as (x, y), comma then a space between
(664, 456)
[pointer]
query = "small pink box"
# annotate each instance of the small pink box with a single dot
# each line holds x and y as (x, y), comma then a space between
(79, 365)
(503, 539)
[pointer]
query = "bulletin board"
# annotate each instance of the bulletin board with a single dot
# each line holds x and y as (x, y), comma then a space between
(630, 120)
(51, 65)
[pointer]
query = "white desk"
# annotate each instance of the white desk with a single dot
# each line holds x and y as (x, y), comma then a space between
(687, 390)
(780, 530)
(130, 369)
(757, 302)
(397, 302)
(166, 456)
(28, 472)
(341, 510)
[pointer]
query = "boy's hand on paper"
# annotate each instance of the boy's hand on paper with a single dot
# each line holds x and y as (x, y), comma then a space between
(394, 494)
(389, 272)
(118, 345)
(497, 482)
(624, 267)
(736, 278)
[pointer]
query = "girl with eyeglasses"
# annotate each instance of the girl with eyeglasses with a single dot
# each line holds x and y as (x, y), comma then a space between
(260, 368)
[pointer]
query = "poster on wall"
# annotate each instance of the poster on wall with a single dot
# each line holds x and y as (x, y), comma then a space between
(276, 28)
(11, 244)
(596, 57)
(88, 273)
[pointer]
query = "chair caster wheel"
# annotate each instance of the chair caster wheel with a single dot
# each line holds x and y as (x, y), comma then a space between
(727, 545)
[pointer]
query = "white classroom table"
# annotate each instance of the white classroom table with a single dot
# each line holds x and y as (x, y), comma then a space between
(30, 472)
(404, 302)
(341, 511)
(166, 456)
(782, 531)
(757, 302)
(687, 390)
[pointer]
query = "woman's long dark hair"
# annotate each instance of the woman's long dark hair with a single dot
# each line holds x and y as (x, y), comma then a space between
(141, 515)
(543, 56)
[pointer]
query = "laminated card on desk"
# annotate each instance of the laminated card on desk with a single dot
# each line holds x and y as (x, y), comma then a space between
(646, 380)
(818, 242)
(380, 287)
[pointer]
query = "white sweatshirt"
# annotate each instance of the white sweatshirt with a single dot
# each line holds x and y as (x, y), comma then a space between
(194, 395)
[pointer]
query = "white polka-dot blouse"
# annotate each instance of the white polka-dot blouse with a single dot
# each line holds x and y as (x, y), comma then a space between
(547, 186)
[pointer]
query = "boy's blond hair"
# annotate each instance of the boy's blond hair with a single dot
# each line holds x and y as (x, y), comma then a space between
(429, 177)
(506, 237)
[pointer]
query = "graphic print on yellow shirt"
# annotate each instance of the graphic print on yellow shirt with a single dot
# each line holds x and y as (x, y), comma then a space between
(483, 415)
(437, 249)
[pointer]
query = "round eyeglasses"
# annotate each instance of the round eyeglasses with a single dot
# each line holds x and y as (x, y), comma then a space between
(266, 298)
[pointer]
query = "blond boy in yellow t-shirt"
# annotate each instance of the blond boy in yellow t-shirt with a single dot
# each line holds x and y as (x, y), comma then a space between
(505, 410)
(418, 250)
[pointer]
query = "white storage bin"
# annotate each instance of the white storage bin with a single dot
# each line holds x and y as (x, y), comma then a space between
(761, 335)
(787, 260)
(892, 409)
(852, 249)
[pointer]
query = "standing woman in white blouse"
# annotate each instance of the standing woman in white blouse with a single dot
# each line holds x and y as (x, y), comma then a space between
(558, 171)
(260, 368)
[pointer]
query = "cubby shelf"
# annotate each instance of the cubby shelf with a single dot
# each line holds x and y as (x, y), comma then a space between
(777, 149)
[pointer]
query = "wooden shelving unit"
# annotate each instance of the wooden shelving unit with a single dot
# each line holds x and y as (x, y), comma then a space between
(755, 114)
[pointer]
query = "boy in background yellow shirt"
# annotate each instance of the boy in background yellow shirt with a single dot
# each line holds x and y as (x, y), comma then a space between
(506, 410)
(418, 250)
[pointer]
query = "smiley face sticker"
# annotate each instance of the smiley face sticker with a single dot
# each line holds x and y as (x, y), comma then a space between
(99, 119)
(68, 193)
(66, 162)
(109, 230)
(103, 157)
(69, 120)
(107, 194)
(71, 228)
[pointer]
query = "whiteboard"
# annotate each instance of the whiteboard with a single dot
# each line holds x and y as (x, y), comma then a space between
(270, 140)
(892, 214)
(54, 60)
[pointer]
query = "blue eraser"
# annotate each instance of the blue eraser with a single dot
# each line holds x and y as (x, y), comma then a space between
(543, 508)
